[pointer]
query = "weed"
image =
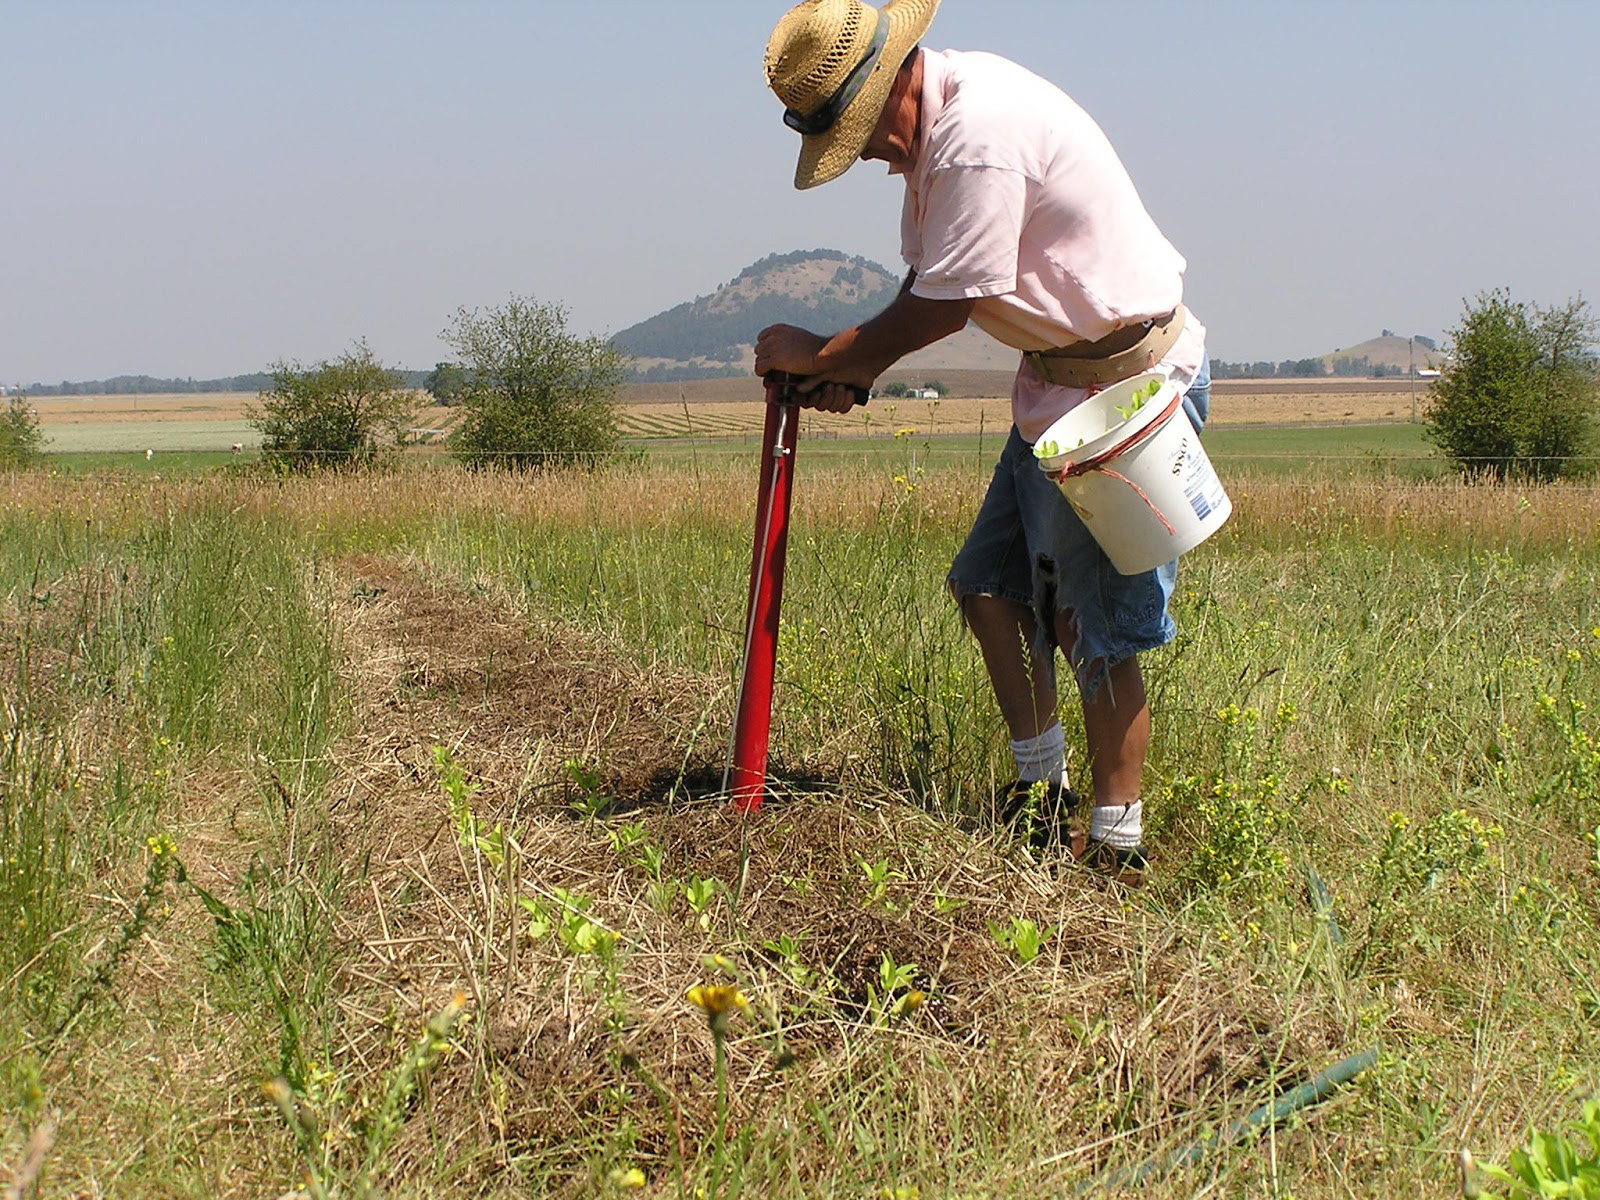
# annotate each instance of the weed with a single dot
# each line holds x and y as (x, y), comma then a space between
(343, 1139)
(1549, 1165)
(700, 892)
(1574, 777)
(591, 799)
(1022, 938)
(893, 995)
(879, 875)
(787, 948)
(1241, 810)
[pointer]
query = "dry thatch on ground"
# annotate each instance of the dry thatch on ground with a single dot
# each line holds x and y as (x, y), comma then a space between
(1110, 1008)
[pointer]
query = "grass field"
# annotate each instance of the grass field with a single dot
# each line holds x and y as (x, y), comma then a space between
(357, 837)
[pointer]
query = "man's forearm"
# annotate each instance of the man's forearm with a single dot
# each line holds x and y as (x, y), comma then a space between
(909, 323)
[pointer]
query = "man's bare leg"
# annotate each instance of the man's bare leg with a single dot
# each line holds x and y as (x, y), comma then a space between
(1023, 686)
(1116, 730)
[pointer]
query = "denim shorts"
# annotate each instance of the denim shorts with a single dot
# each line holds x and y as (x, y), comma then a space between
(1028, 545)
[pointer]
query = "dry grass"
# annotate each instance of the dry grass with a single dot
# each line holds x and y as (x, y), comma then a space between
(99, 410)
(1130, 1008)
(662, 495)
(1146, 1021)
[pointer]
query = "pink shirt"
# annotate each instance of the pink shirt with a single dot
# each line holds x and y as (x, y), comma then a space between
(1017, 199)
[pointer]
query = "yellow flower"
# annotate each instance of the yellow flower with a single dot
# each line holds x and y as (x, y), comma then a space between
(908, 1003)
(718, 1001)
(632, 1178)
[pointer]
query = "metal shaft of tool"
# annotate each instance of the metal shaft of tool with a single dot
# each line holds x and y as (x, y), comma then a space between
(745, 772)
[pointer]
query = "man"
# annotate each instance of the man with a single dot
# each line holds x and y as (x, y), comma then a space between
(1019, 217)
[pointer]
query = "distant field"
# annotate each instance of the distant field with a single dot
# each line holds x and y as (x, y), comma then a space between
(723, 409)
(709, 410)
(98, 410)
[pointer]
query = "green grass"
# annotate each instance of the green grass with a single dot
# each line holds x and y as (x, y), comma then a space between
(1399, 712)
(149, 653)
(170, 464)
(135, 436)
(1399, 451)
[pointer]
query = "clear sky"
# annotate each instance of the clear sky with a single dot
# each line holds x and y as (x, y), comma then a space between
(202, 188)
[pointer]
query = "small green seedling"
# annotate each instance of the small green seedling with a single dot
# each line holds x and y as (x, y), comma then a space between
(700, 893)
(878, 875)
(1140, 398)
(591, 799)
(1023, 938)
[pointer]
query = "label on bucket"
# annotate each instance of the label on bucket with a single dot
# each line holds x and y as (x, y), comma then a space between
(1201, 487)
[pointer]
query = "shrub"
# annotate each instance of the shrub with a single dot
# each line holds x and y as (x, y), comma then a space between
(535, 395)
(1519, 395)
(21, 439)
(343, 413)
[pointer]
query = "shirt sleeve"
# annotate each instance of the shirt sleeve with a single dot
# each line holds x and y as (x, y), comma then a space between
(970, 231)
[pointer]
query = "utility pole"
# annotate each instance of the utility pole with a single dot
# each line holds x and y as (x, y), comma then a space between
(1411, 362)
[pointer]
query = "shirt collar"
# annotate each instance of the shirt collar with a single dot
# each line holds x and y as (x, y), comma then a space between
(934, 73)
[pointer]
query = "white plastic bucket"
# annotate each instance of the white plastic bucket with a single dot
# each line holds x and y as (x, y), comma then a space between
(1142, 482)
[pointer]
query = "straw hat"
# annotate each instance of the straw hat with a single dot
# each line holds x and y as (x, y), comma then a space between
(833, 63)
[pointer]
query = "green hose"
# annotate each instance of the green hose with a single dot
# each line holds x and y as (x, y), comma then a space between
(1268, 1114)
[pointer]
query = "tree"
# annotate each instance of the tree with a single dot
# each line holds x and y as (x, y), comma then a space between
(21, 439)
(536, 395)
(1519, 396)
(936, 386)
(1302, 368)
(444, 382)
(343, 413)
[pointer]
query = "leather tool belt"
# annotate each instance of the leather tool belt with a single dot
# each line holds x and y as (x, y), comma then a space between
(1121, 354)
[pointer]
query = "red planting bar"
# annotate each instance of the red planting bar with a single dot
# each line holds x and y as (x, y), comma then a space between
(753, 720)
(746, 775)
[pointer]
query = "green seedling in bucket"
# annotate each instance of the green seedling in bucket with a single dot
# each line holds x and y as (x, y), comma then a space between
(1049, 449)
(1140, 398)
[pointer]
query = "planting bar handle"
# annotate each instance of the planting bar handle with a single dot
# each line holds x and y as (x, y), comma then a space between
(784, 384)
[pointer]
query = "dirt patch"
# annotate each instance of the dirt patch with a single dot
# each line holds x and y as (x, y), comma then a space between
(810, 908)
(439, 664)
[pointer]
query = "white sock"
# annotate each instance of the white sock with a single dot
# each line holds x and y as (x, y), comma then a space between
(1043, 757)
(1117, 825)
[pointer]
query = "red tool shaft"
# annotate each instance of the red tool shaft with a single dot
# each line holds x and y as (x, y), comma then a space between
(753, 721)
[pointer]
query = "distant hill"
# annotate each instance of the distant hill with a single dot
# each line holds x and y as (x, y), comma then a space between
(1386, 355)
(824, 290)
(1391, 350)
(715, 335)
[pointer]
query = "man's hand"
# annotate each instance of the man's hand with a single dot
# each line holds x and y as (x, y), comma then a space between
(794, 350)
(787, 348)
(828, 397)
(858, 355)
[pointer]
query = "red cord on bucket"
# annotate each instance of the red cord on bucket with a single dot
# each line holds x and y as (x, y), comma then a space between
(1097, 463)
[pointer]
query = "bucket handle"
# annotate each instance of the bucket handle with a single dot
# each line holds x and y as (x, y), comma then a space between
(1097, 463)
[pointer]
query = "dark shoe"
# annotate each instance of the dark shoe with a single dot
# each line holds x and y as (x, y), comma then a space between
(1124, 866)
(1038, 820)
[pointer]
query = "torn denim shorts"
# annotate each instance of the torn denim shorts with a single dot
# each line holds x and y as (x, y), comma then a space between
(1028, 545)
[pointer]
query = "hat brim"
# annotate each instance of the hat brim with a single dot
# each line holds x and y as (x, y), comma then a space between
(826, 156)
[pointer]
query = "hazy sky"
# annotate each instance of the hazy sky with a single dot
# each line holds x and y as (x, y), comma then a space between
(203, 188)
